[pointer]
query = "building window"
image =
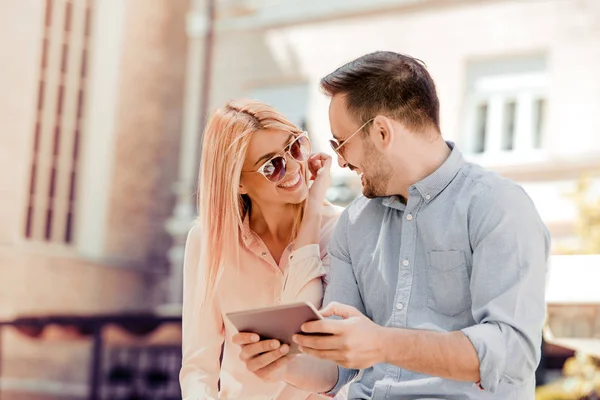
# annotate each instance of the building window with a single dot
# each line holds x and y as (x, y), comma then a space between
(506, 106)
(58, 128)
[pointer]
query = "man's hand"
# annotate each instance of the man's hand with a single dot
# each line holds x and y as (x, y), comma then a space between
(267, 359)
(354, 342)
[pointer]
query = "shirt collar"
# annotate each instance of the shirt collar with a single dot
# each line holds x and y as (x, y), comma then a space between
(246, 233)
(434, 184)
(394, 202)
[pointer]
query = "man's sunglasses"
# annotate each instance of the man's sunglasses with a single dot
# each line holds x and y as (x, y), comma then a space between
(274, 169)
(336, 146)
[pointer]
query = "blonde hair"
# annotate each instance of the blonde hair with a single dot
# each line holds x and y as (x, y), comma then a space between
(221, 208)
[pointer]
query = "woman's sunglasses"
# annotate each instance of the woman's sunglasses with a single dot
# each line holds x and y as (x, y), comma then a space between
(274, 169)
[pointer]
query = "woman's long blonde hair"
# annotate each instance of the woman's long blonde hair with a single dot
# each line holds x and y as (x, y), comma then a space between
(221, 208)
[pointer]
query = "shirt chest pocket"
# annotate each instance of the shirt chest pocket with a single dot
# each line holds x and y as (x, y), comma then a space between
(448, 289)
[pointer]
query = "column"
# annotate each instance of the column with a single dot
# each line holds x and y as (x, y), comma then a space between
(184, 211)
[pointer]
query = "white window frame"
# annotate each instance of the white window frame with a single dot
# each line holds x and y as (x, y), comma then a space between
(496, 89)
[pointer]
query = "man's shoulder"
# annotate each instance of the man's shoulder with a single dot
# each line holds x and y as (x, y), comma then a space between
(493, 193)
(363, 209)
(499, 203)
(357, 219)
(488, 185)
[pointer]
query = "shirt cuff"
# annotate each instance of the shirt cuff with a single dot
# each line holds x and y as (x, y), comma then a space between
(305, 252)
(488, 342)
(344, 376)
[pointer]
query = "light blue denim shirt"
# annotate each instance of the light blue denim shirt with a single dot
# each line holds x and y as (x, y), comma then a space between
(468, 251)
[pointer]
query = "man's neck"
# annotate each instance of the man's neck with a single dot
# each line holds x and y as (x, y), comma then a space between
(425, 160)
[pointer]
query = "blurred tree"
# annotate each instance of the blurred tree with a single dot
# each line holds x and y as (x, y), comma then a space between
(588, 222)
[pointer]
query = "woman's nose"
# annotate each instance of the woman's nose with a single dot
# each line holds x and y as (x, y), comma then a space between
(293, 165)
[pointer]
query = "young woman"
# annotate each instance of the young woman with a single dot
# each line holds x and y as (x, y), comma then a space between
(260, 240)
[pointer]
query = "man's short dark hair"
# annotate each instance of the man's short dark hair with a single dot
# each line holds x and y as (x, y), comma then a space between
(387, 83)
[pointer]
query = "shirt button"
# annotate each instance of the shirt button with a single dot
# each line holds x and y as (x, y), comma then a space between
(405, 263)
(399, 306)
(409, 217)
(427, 196)
(264, 253)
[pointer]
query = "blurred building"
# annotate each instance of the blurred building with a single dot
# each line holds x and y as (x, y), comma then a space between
(517, 80)
(103, 103)
(90, 119)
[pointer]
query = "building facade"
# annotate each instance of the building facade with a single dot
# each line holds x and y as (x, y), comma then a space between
(517, 80)
(103, 104)
(90, 121)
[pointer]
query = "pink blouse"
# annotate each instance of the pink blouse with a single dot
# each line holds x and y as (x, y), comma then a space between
(258, 282)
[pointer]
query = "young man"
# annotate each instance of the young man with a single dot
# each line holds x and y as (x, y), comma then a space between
(437, 272)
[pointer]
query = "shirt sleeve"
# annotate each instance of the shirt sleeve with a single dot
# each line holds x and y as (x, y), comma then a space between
(303, 275)
(510, 252)
(342, 286)
(308, 265)
(203, 330)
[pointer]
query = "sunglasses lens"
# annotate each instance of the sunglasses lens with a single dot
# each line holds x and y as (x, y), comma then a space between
(334, 145)
(275, 169)
(300, 148)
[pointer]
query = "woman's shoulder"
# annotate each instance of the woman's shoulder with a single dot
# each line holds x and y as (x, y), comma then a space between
(331, 212)
(194, 236)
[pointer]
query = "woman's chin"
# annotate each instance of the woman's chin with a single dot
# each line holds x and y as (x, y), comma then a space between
(299, 197)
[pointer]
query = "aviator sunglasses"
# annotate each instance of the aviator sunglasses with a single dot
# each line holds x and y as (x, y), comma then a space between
(337, 146)
(274, 169)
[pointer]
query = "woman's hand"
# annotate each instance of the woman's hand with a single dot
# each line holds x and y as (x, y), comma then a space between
(319, 166)
(266, 359)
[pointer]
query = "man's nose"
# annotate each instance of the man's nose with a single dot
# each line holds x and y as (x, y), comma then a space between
(342, 161)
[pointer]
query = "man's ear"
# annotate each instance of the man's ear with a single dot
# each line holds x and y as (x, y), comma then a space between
(382, 132)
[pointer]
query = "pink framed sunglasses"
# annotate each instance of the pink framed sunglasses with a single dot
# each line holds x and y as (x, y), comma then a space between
(274, 169)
